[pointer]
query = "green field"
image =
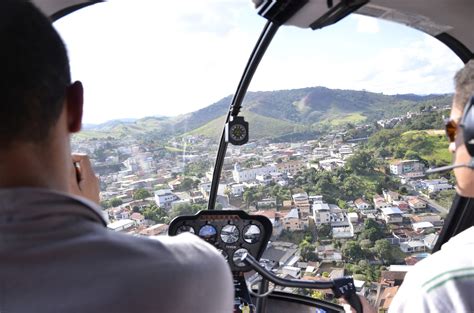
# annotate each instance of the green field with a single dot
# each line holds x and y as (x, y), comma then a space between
(431, 145)
(353, 118)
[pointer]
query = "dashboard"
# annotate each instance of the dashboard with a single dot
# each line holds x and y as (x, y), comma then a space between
(232, 232)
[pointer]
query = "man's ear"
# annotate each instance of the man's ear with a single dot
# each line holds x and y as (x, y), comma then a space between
(74, 103)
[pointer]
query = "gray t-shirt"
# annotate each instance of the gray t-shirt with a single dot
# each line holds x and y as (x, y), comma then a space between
(56, 255)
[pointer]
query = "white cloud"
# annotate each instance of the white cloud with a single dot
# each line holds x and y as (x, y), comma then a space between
(422, 67)
(149, 58)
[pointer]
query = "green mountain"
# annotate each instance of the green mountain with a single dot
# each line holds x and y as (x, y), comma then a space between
(277, 113)
(260, 126)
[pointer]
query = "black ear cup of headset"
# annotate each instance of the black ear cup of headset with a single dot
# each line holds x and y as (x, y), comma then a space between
(467, 126)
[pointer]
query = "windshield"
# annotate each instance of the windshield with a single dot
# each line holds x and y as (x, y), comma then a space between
(343, 124)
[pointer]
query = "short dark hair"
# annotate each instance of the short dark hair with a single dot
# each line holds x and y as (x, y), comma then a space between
(34, 73)
(464, 84)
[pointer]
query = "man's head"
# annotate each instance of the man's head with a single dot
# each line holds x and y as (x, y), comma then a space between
(34, 76)
(39, 107)
(464, 89)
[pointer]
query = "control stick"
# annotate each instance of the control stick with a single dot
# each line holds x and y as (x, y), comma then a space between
(342, 287)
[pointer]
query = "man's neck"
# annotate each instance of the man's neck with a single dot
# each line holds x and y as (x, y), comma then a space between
(29, 165)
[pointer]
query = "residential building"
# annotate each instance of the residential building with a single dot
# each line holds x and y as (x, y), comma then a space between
(291, 167)
(361, 204)
(328, 253)
(321, 213)
(121, 225)
(390, 196)
(401, 204)
(138, 218)
(155, 230)
(413, 246)
(301, 201)
(293, 271)
(432, 188)
(407, 168)
(293, 222)
(236, 189)
(422, 226)
(341, 226)
(386, 298)
(264, 180)
(430, 241)
(353, 217)
(416, 204)
(267, 203)
(164, 198)
(280, 252)
(331, 164)
(205, 187)
(274, 219)
(392, 215)
(245, 175)
(433, 218)
(380, 203)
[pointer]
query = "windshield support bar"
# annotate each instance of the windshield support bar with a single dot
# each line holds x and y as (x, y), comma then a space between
(258, 52)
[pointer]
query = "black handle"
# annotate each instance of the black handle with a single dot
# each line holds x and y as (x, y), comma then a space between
(354, 301)
(342, 287)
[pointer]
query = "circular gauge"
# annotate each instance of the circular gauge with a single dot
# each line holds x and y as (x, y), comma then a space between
(223, 253)
(238, 132)
(251, 233)
(208, 233)
(229, 234)
(238, 256)
(185, 229)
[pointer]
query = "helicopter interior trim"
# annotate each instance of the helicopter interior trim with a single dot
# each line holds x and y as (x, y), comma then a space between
(57, 9)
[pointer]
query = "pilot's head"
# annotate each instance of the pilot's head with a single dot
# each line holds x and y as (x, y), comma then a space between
(39, 107)
(464, 89)
(34, 77)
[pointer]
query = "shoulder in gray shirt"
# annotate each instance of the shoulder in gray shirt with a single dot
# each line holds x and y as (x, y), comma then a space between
(56, 255)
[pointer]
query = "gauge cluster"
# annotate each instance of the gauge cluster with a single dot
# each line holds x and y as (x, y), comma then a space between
(232, 232)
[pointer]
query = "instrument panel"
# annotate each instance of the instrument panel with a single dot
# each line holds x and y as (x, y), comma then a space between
(232, 232)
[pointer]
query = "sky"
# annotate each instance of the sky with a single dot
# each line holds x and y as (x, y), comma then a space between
(146, 57)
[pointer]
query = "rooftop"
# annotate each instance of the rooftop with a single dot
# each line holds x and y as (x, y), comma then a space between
(321, 207)
(391, 210)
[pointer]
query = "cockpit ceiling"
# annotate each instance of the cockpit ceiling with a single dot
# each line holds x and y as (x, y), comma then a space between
(59, 8)
(434, 17)
(453, 17)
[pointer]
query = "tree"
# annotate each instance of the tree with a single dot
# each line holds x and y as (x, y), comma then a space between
(188, 184)
(115, 202)
(316, 294)
(323, 230)
(308, 251)
(248, 197)
(372, 231)
(186, 209)
(383, 249)
(362, 162)
(105, 204)
(141, 194)
(365, 244)
(352, 251)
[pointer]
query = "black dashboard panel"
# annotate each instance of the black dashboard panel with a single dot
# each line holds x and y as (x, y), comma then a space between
(232, 232)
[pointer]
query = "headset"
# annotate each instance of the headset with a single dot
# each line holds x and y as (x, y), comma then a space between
(467, 126)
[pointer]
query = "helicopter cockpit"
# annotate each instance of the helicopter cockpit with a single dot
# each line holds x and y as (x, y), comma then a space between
(243, 236)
